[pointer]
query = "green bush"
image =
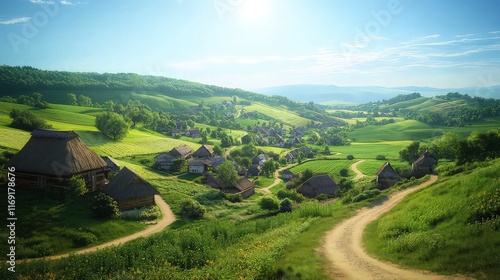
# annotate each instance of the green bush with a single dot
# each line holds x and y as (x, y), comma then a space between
(76, 188)
(350, 157)
(104, 206)
(322, 197)
(192, 209)
(344, 172)
(291, 194)
(234, 197)
(366, 194)
(81, 239)
(147, 213)
(269, 203)
(286, 205)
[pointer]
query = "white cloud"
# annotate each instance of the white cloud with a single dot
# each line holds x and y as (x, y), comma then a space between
(464, 35)
(15, 20)
(494, 32)
(41, 2)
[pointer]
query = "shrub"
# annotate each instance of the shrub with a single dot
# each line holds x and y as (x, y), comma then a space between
(344, 172)
(291, 194)
(269, 203)
(147, 213)
(104, 206)
(286, 205)
(81, 239)
(27, 121)
(145, 161)
(366, 194)
(322, 197)
(76, 188)
(350, 157)
(192, 209)
(380, 157)
(234, 197)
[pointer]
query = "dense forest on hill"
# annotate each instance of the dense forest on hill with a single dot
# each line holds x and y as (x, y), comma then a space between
(16, 80)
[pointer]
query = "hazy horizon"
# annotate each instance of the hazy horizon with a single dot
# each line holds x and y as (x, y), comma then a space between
(253, 44)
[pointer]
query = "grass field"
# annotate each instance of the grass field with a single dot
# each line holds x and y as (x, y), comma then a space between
(286, 116)
(390, 149)
(331, 167)
(370, 167)
(449, 227)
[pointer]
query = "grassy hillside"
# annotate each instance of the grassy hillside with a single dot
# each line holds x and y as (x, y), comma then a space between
(450, 227)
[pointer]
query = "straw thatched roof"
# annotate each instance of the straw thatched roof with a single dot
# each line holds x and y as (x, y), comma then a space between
(181, 152)
(426, 159)
(243, 184)
(386, 171)
(56, 153)
(203, 151)
(321, 184)
(128, 185)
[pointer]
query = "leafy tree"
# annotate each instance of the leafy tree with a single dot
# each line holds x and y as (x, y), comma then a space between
(446, 145)
(350, 157)
(179, 163)
(269, 203)
(410, 153)
(247, 139)
(269, 167)
(109, 105)
(72, 99)
(227, 174)
(217, 150)
(25, 99)
(344, 172)
(112, 125)
(27, 121)
(104, 206)
(84, 101)
(286, 205)
(192, 209)
(327, 150)
(76, 188)
(306, 175)
(249, 150)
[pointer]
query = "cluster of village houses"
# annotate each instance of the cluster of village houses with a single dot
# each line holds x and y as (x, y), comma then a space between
(50, 158)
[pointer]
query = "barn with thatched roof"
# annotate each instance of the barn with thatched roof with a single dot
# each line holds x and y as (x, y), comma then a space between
(320, 184)
(425, 163)
(50, 158)
(386, 176)
(130, 190)
(204, 152)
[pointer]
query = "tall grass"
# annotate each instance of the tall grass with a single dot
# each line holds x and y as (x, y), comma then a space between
(449, 227)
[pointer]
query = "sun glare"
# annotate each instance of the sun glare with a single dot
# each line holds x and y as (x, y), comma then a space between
(253, 10)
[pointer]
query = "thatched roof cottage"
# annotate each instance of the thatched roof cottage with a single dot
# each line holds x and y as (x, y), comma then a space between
(425, 163)
(204, 152)
(130, 190)
(386, 176)
(320, 184)
(50, 158)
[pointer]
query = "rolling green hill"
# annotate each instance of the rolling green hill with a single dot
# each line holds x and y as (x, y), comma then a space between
(450, 227)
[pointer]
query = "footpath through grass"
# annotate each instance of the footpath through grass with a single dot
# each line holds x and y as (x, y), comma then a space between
(450, 227)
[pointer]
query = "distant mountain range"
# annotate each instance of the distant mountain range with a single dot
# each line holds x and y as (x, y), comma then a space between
(340, 95)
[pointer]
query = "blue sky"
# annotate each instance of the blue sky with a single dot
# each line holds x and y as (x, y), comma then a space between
(261, 43)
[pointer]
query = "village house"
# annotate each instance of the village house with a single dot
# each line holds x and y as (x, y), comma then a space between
(386, 176)
(50, 158)
(204, 152)
(111, 165)
(217, 161)
(166, 160)
(130, 190)
(424, 164)
(193, 133)
(198, 166)
(261, 159)
(254, 170)
(287, 175)
(320, 184)
(243, 186)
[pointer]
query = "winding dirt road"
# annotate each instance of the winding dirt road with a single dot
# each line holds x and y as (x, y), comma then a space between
(354, 168)
(167, 219)
(347, 257)
(276, 180)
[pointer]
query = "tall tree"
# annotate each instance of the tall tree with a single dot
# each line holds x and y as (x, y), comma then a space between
(410, 153)
(72, 99)
(227, 174)
(112, 125)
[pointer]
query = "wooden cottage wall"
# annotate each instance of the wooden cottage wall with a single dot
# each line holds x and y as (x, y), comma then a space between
(135, 202)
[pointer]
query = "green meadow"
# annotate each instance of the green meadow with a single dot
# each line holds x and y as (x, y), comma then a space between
(449, 227)
(286, 116)
(331, 167)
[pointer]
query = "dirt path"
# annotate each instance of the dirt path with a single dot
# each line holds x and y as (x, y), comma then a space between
(354, 168)
(228, 151)
(276, 180)
(347, 257)
(167, 219)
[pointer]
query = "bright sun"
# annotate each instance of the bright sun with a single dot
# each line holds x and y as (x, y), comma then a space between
(253, 10)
